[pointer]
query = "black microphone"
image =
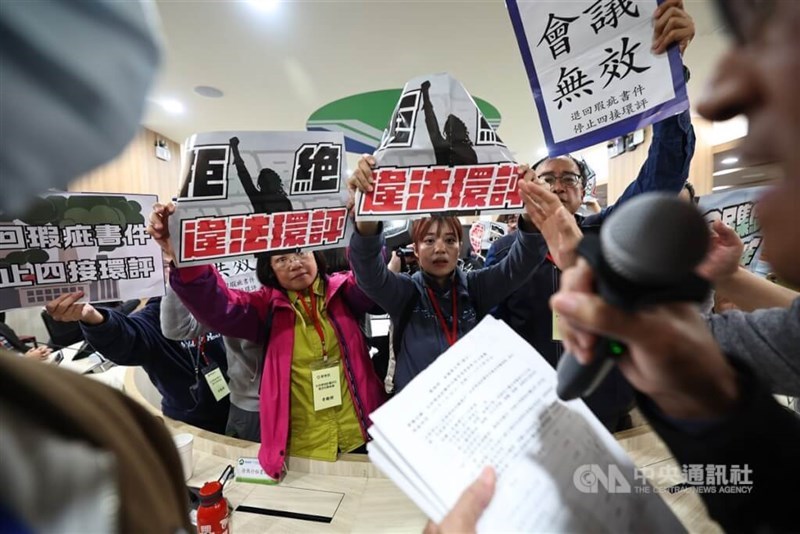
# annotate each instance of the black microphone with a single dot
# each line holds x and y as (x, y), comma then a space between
(646, 254)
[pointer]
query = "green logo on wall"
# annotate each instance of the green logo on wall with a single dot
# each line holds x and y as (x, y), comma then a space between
(363, 117)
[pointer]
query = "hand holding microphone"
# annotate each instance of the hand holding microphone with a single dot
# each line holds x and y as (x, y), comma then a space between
(646, 255)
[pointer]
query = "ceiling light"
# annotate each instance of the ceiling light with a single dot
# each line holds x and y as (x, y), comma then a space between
(266, 6)
(208, 91)
(172, 106)
(727, 171)
(721, 187)
(730, 161)
(542, 152)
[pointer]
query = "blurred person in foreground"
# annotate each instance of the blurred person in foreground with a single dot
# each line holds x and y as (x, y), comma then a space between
(77, 456)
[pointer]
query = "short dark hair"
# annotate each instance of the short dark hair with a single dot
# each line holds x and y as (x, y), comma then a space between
(266, 274)
(581, 166)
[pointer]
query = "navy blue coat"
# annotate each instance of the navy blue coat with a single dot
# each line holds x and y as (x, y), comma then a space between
(137, 340)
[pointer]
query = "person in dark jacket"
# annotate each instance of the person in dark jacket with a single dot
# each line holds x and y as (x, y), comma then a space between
(176, 368)
(437, 305)
(527, 311)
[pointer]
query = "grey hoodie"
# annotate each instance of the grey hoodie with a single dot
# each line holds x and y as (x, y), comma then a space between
(768, 341)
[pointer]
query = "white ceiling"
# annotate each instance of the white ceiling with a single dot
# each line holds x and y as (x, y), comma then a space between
(276, 68)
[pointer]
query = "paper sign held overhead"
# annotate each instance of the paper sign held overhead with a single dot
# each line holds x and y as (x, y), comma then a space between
(592, 71)
(246, 193)
(439, 155)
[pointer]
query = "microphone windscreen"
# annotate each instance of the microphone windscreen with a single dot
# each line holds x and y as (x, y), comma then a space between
(654, 239)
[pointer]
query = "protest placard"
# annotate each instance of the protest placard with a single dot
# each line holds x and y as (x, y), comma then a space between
(95, 243)
(239, 274)
(245, 193)
(482, 234)
(737, 210)
(592, 71)
(439, 155)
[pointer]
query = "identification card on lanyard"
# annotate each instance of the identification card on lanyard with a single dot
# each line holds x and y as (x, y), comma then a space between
(556, 331)
(216, 381)
(325, 376)
(327, 384)
(212, 373)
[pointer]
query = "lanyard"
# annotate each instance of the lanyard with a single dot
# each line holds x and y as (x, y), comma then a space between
(200, 345)
(452, 333)
(315, 319)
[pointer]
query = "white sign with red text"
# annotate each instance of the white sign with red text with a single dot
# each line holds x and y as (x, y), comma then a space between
(439, 155)
(245, 193)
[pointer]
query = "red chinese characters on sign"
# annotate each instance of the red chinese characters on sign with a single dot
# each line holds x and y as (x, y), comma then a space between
(248, 233)
(220, 237)
(403, 191)
(205, 238)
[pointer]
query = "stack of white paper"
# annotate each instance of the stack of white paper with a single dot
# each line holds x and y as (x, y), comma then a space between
(490, 400)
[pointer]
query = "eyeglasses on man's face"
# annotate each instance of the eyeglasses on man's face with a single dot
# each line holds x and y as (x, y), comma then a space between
(567, 179)
(285, 261)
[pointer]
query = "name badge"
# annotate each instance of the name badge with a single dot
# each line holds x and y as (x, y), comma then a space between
(216, 382)
(326, 382)
(556, 332)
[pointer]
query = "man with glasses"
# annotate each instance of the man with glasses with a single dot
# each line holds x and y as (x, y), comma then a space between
(666, 169)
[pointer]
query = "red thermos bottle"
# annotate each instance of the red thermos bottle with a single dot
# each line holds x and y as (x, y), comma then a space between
(212, 514)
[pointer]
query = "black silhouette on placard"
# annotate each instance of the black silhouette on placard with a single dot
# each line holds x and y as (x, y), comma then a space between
(269, 196)
(455, 146)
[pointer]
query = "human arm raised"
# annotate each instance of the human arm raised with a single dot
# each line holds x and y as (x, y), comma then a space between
(241, 170)
(123, 339)
(430, 117)
(205, 294)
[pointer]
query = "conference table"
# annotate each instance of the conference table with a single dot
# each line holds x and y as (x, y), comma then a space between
(352, 495)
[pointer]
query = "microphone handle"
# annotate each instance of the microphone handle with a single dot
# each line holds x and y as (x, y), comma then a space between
(578, 380)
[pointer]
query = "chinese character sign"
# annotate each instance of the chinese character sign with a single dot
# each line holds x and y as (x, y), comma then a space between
(245, 193)
(66, 242)
(239, 274)
(737, 210)
(482, 234)
(592, 71)
(439, 154)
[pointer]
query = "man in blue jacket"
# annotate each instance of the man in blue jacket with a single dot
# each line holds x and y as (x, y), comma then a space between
(176, 368)
(667, 166)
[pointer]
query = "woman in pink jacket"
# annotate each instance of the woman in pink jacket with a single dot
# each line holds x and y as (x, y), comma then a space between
(318, 385)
